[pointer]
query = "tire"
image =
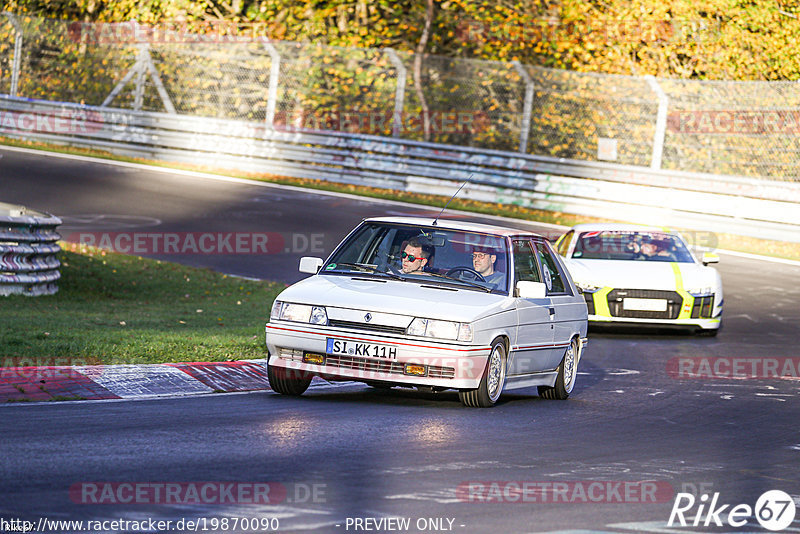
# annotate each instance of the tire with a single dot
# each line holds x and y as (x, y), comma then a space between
(708, 332)
(494, 377)
(567, 373)
(288, 381)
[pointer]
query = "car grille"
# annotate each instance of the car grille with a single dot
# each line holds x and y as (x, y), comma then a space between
(702, 307)
(367, 327)
(673, 298)
(368, 364)
(384, 366)
(291, 354)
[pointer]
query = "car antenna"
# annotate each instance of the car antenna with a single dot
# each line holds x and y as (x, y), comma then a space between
(454, 196)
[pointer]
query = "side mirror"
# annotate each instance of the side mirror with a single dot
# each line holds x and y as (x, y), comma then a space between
(310, 264)
(710, 257)
(531, 290)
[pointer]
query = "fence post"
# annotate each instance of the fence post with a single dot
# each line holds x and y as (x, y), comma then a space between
(400, 91)
(527, 109)
(661, 122)
(17, 52)
(274, 73)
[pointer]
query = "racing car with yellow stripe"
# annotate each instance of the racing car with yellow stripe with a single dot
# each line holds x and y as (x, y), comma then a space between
(643, 274)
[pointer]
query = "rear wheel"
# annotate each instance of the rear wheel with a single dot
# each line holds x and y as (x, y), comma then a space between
(494, 377)
(288, 381)
(567, 372)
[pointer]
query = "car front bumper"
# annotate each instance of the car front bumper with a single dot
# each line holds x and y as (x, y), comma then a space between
(446, 365)
(605, 305)
(705, 324)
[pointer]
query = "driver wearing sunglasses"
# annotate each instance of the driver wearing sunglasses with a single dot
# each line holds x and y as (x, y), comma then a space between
(414, 257)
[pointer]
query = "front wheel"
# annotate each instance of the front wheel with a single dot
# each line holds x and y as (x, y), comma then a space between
(494, 377)
(567, 372)
(288, 381)
(708, 332)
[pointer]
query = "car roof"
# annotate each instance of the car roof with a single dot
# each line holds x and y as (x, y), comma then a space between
(599, 227)
(450, 224)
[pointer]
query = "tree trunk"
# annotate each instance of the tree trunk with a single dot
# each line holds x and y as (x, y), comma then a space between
(423, 41)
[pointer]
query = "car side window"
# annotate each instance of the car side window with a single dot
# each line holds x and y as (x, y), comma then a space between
(525, 267)
(552, 276)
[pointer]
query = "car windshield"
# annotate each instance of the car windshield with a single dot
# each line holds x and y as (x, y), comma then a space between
(631, 245)
(469, 260)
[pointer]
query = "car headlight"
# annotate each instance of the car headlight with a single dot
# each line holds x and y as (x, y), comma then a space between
(701, 291)
(440, 329)
(275, 313)
(299, 313)
(318, 316)
(587, 288)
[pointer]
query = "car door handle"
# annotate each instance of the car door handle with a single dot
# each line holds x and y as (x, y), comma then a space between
(552, 311)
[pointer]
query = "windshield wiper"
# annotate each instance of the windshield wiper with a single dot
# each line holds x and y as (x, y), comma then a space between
(468, 282)
(371, 268)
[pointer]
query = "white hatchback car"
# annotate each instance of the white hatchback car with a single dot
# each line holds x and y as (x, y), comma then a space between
(643, 274)
(434, 305)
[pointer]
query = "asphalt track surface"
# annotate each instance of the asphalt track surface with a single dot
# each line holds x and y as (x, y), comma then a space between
(401, 453)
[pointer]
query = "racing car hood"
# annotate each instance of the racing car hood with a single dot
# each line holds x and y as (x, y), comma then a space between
(643, 275)
(409, 298)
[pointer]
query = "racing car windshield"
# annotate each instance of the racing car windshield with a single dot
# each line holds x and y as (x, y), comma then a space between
(641, 246)
(468, 260)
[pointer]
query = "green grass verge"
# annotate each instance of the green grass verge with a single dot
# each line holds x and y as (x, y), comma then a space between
(112, 308)
(778, 249)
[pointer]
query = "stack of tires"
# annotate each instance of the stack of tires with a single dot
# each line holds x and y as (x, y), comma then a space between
(28, 262)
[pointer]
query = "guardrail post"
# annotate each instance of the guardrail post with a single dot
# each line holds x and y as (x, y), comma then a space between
(661, 122)
(17, 52)
(527, 109)
(274, 73)
(400, 91)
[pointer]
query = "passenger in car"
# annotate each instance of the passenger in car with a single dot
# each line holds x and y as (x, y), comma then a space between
(414, 257)
(652, 248)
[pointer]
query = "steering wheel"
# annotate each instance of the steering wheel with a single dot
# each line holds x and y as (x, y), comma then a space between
(478, 276)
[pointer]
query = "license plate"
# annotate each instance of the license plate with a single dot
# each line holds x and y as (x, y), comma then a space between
(342, 347)
(644, 304)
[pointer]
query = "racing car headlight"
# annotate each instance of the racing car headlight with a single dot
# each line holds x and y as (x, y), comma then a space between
(702, 291)
(587, 288)
(440, 329)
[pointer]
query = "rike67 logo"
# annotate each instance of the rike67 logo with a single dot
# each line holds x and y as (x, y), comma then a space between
(774, 510)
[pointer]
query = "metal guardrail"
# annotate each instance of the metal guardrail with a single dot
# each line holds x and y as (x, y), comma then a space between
(28, 263)
(726, 204)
